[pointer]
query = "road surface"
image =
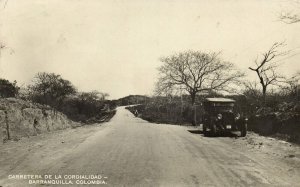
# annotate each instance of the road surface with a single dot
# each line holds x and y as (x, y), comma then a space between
(129, 151)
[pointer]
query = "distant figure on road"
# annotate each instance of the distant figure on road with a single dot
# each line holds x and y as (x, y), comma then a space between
(136, 113)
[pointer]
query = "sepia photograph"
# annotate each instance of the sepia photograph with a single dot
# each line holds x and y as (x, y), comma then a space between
(161, 93)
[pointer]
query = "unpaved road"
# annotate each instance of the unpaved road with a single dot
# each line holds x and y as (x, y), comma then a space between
(128, 151)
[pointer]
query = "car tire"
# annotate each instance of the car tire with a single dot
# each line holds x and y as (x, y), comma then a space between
(214, 129)
(204, 129)
(243, 129)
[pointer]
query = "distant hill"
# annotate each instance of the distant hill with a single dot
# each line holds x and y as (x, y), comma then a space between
(132, 99)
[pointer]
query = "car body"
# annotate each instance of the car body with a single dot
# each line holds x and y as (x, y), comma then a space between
(219, 116)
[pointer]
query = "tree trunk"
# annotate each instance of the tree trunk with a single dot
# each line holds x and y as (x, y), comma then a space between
(264, 92)
(193, 97)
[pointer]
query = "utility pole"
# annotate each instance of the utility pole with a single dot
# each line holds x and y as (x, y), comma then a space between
(297, 92)
(7, 125)
(181, 111)
(195, 114)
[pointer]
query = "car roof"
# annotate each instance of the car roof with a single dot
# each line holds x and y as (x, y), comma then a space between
(219, 99)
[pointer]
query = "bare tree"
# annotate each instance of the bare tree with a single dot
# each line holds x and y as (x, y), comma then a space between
(291, 16)
(2, 46)
(251, 89)
(195, 72)
(103, 96)
(291, 86)
(266, 67)
(93, 96)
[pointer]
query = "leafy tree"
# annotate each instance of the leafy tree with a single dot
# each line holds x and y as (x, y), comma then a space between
(50, 89)
(8, 89)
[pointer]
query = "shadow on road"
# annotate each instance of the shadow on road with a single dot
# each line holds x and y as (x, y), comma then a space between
(224, 134)
(196, 131)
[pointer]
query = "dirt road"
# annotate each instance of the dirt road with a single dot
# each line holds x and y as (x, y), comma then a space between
(128, 151)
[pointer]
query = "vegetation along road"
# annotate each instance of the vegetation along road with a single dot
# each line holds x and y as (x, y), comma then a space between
(128, 151)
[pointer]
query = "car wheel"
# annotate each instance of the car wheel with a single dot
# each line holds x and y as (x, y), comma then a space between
(214, 129)
(204, 129)
(243, 129)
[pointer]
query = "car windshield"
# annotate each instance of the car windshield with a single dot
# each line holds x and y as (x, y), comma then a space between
(223, 108)
(215, 107)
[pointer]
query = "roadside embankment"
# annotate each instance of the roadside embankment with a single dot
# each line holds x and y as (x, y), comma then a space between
(19, 118)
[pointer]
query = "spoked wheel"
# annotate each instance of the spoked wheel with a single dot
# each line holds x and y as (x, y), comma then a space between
(204, 127)
(214, 129)
(243, 129)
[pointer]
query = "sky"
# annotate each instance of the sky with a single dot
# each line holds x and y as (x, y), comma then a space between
(114, 46)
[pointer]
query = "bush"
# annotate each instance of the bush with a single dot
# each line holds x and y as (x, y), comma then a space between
(86, 107)
(8, 89)
(161, 110)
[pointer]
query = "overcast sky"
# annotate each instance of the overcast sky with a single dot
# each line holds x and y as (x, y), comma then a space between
(114, 46)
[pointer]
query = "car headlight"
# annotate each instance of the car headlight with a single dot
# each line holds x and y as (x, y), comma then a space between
(219, 116)
(238, 116)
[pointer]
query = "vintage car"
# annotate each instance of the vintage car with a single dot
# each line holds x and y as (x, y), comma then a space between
(219, 117)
